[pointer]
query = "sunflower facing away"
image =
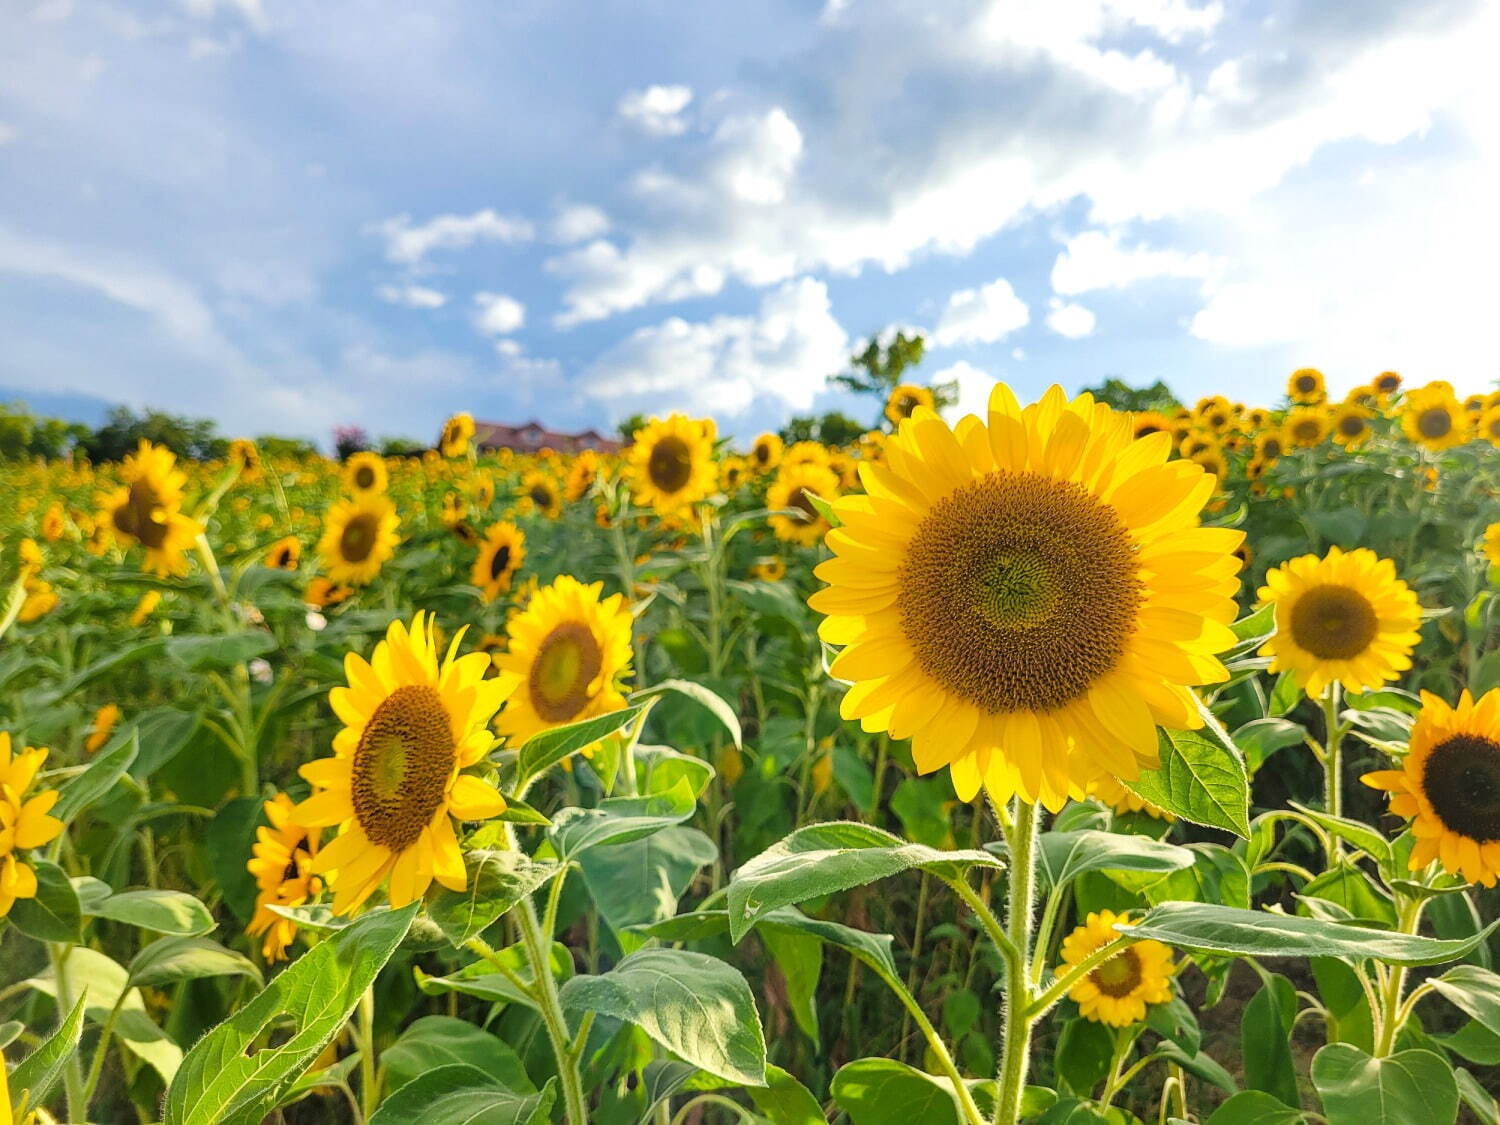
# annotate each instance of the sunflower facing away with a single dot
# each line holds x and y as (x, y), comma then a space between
(1027, 599)
(1118, 990)
(359, 534)
(364, 473)
(1432, 418)
(1448, 786)
(501, 552)
(672, 462)
(279, 860)
(24, 822)
(794, 483)
(458, 432)
(904, 400)
(1305, 385)
(583, 473)
(148, 509)
(567, 656)
(394, 785)
(1344, 617)
(765, 454)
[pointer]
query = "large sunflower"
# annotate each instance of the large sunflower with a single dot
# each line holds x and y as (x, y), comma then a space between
(365, 473)
(1119, 989)
(394, 785)
(790, 491)
(501, 552)
(1028, 599)
(1305, 385)
(280, 860)
(148, 509)
(1432, 418)
(458, 432)
(358, 536)
(568, 653)
(1448, 786)
(1305, 427)
(1344, 617)
(672, 462)
(904, 400)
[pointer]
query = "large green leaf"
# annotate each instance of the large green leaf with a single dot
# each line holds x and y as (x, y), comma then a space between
(887, 1092)
(1354, 832)
(435, 1041)
(54, 914)
(1255, 1107)
(497, 880)
(873, 949)
(552, 746)
(464, 1095)
(165, 912)
(695, 1006)
(1474, 990)
(823, 858)
(617, 820)
(785, 1101)
(1477, 1098)
(482, 980)
(99, 778)
(1401, 1089)
(226, 1079)
(1199, 779)
(1064, 856)
(1260, 738)
(219, 651)
(1208, 928)
(35, 1075)
(171, 959)
(1265, 1040)
(712, 701)
(640, 881)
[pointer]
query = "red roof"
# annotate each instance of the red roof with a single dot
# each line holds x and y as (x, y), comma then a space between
(533, 437)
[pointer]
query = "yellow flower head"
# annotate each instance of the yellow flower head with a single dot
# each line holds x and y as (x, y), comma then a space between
(281, 860)
(1119, 989)
(765, 454)
(1432, 418)
(458, 432)
(25, 823)
(539, 494)
(795, 482)
(364, 473)
(1351, 425)
(1305, 427)
(501, 552)
(1148, 422)
(1386, 383)
(1488, 428)
(102, 727)
(321, 593)
(582, 473)
(54, 522)
(772, 569)
(145, 608)
(1492, 543)
(359, 534)
(672, 463)
(148, 509)
(285, 553)
(244, 455)
(904, 400)
(733, 472)
(1305, 385)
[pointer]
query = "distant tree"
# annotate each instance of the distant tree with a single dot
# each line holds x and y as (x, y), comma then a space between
(832, 428)
(23, 435)
(196, 439)
(880, 367)
(349, 440)
(400, 447)
(1122, 396)
(272, 446)
(627, 427)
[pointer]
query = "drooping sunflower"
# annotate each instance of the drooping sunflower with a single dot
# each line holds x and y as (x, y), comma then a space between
(102, 727)
(1148, 422)
(765, 454)
(1351, 425)
(1432, 418)
(672, 462)
(1305, 386)
(285, 553)
(791, 489)
(1122, 800)
(359, 534)
(1448, 786)
(1345, 617)
(1305, 427)
(1118, 990)
(904, 400)
(1489, 426)
(365, 473)
(458, 432)
(539, 494)
(394, 786)
(1386, 383)
(25, 823)
(1492, 544)
(244, 454)
(567, 656)
(582, 474)
(148, 509)
(280, 860)
(1027, 599)
(501, 552)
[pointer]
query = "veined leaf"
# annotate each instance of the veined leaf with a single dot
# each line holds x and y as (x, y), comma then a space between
(1401, 1089)
(716, 704)
(552, 746)
(497, 880)
(35, 1075)
(464, 1095)
(1200, 780)
(1063, 856)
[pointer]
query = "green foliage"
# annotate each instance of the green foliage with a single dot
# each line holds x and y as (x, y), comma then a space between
(1122, 396)
(194, 438)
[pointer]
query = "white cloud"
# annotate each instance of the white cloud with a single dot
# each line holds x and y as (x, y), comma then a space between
(409, 245)
(1095, 259)
(781, 355)
(981, 316)
(579, 222)
(974, 388)
(761, 155)
(412, 296)
(1073, 321)
(657, 110)
(497, 314)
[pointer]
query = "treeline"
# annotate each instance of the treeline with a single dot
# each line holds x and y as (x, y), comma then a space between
(25, 436)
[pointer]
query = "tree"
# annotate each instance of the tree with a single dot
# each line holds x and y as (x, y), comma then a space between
(1122, 396)
(627, 428)
(196, 439)
(832, 428)
(400, 447)
(272, 446)
(878, 370)
(23, 435)
(349, 440)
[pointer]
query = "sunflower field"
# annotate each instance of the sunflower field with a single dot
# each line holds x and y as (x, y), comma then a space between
(1060, 765)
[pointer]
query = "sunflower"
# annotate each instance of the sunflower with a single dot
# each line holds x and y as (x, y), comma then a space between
(102, 727)
(1351, 425)
(322, 593)
(793, 485)
(458, 432)
(773, 569)
(482, 488)
(1305, 386)
(145, 608)
(539, 494)
(1492, 544)
(1122, 800)
(904, 400)
(279, 860)
(1212, 459)
(1305, 427)
(501, 552)
(1489, 426)
(1257, 418)
(365, 473)
(54, 523)
(1386, 383)
(455, 508)
(148, 509)
(1432, 418)
(582, 474)
(872, 445)
(1344, 617)
(394, 785)
(1148, 422)
(1476, 404)
(1448, 786)
(805, 453)
(671, 462)
(1118, 990)
(568, 652)
(359, 534)
(24, 823)
(245, 456)
(1270, 446)
(1028, 599)
(41, 599)
(285, 553)
(765, 454)
(733, 472)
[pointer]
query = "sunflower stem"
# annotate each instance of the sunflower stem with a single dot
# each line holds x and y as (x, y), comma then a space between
(1333, 790)
(1016, 1015)
(369, 1093)
(544, 988)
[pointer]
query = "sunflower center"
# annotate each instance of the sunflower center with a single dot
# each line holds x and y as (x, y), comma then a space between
(141, 515)
(1120, 975)
(1020, 592)
(1387, 383)
(1307, 430)
(566, 663)
(1306, 384)
(670, 465)
(1270, 448)
(500, 561)
(1434, 423)
(1462, 780)
(1334, 622)
(358, 538)
(1351, 425)
(541, 496)
(802, 501)
(364, 477)
(401, 766)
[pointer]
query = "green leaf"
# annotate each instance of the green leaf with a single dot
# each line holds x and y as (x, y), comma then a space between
(1473, 990)
(1084, 1051)
(1199, 780)
(1475, 1042)
(694, 1005)
(1260, 738)
(435, 1041)
(1066, 855)
(32, 1081)
(1401, 1089)
(1285, 695)
(785, 1101)
(99, 778)
(226, 1079)
(162, 733)
(823, 858)
(464, 1095)
(228, 840)
(1348, 1018)
(54, 914)
(546, 749)
(1207, 928)
(660, 768)
(873, 949)
(165, 912)
(220, 651)
(171, 959)
(800, 959)
(1176, 1021)
(640, 881)
(1265, 1040)
(1253, 630)
(480, 979)
(887, 1092)
(1352, 832)
(1349, 888)
(712, 701)
(617, 820)
(1255, 1107)
(497, 880)
(1477, 1098)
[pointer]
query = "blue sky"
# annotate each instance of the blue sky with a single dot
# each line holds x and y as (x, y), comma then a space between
(291, 216)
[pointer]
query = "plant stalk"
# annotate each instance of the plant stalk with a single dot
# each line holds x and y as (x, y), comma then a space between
(1015, 1045)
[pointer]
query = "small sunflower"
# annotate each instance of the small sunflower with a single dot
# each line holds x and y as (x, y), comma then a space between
(501, 552)
(1492, 544)
(25, 823)
(539, 494)
(458, 433)
(567, 655)
(733, 472)
(54, 522)
(765, 454)
(904, 400)
(774, 569)
(1305, 386)
(359, 534)
(285, 553)
(1305, 427)
(1212, 459)
(279, 860)
(1448, 786)
(1148, 422)
(145, 608)
(1257, 418)
(1386, 383)
(323, 592)
(455, 508)
(148, 509)
(482, 488)
(365, 473)
(102, 727)
(872, 445)
(245, 456)
(1118, 990)
(582, 473)
(1351, 425)
(1489, 426)
(1345, 617)
(671, 463)
(1432, 418)
(794, 484)
(412, 724)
